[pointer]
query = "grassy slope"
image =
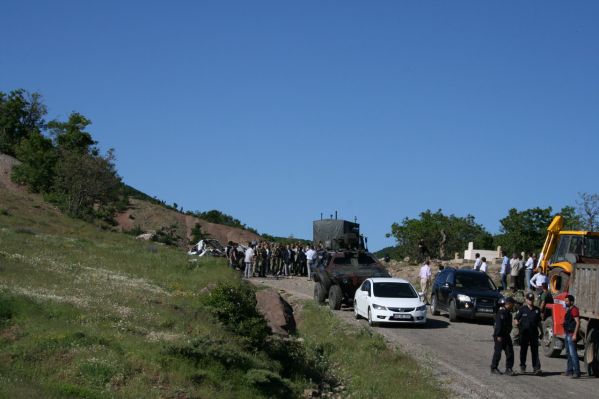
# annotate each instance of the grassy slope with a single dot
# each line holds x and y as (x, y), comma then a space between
(93, 312)
(90, 313)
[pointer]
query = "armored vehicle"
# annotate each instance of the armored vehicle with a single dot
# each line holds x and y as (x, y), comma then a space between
(343, 262)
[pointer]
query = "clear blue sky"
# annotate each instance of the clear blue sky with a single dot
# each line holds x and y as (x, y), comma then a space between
(277, 111)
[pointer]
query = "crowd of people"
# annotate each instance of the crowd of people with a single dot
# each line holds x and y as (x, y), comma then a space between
(262, 259)
(529, 277)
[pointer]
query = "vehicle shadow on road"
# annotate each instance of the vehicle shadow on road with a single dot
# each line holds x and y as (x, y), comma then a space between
(432, 324)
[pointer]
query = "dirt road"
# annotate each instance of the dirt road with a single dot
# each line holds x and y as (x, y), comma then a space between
(459, 355)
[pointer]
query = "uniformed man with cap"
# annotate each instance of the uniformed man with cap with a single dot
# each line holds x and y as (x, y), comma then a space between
(528, 319)
(501, 337)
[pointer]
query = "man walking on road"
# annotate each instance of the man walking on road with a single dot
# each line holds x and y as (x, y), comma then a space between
(571, 328)
(528, 319)
(425, 279)
(477, 262)
(502, 339)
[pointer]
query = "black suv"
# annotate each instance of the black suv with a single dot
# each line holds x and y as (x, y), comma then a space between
(464, 293)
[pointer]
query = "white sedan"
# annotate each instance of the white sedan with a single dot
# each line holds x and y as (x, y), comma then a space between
(389, 300)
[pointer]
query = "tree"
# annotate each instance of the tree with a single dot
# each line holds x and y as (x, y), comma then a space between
(21, 114)
(197, 234)
(38, 157)
(525, 230)
(71, 135)
(438, 233)
(572, 220)
(87, 184)
(588, 209)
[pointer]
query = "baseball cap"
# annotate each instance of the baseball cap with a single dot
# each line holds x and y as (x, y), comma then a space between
(509, 299)
(530, 296)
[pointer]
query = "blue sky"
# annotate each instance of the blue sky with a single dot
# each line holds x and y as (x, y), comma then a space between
(277, 111)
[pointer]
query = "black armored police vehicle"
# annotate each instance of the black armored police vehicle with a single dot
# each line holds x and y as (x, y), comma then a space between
(343, 262)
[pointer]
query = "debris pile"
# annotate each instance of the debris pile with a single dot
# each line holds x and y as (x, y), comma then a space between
(208, 247)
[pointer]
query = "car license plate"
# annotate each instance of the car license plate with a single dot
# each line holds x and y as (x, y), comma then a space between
(401, 316)
(485, 310)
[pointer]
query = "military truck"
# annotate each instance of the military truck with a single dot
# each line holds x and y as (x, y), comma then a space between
(343, 262)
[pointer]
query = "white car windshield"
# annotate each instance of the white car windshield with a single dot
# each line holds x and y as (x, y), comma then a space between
(394, 290)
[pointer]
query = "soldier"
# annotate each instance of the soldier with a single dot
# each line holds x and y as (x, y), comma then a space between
(501, 337)
(528, 319)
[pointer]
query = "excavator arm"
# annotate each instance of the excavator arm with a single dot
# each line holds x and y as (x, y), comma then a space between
(557, 224)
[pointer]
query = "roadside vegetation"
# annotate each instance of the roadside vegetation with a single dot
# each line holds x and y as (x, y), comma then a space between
(365, 365)
(90, 313)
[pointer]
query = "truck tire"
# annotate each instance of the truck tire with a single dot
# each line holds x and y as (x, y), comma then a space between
(434, 308)
(453, 312)
(320, 293)
(548, 341)
(559, 280)
(335, 297)
(591, 353)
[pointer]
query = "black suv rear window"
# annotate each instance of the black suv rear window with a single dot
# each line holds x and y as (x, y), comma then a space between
(479, 281)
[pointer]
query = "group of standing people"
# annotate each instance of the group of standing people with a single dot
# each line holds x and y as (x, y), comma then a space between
(529, 320)
(274, 259)
(521, 273)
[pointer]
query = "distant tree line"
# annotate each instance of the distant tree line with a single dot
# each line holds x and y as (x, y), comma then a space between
(440, 236)
(218, 217)
(59, 159)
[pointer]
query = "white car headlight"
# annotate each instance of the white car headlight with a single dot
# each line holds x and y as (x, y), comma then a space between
(378, 307)
(421, 308)
(464, 298)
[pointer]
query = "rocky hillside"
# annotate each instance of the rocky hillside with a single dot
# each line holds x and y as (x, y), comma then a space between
(145, 215)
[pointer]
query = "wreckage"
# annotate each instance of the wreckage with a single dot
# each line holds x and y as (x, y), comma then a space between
(208, 247)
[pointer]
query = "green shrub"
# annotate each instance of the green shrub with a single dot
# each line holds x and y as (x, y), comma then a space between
(269, 383)
(7, 308)
(235, 307)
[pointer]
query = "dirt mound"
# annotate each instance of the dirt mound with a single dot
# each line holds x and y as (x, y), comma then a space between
(147, 216)
(6, 164)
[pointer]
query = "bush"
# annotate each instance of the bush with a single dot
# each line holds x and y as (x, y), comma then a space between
(7, 308)
(235, 307)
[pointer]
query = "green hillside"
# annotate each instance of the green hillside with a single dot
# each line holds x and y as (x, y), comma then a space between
(90, 313)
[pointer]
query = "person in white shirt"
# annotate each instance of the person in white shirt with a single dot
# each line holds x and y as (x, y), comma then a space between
(425, 279)
(504, 271)
(249, 257)
(477, 261)
(311, 255)
(538, 279)
(483, 265)
(529, 265)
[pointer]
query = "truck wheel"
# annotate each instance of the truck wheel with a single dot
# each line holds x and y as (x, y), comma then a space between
(559, 280)
(591, 353)
(434, 309)
(371, 322)
(320, 293)
(453, 313)
(549, 339)
(335, 297)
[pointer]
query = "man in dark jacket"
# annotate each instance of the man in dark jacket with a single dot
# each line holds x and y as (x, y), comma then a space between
(502, 339)
(571, 328)
(528, 320)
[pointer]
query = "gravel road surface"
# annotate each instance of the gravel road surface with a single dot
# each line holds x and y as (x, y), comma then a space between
(459, 354)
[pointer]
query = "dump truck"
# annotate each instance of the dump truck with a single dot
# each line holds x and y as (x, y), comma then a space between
(343, 262)
(571, 260)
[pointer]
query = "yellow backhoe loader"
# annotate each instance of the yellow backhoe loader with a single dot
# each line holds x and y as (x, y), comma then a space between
(563, 249)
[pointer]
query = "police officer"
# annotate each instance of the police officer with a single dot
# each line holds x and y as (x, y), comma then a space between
(528, 319)
(501, 337)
